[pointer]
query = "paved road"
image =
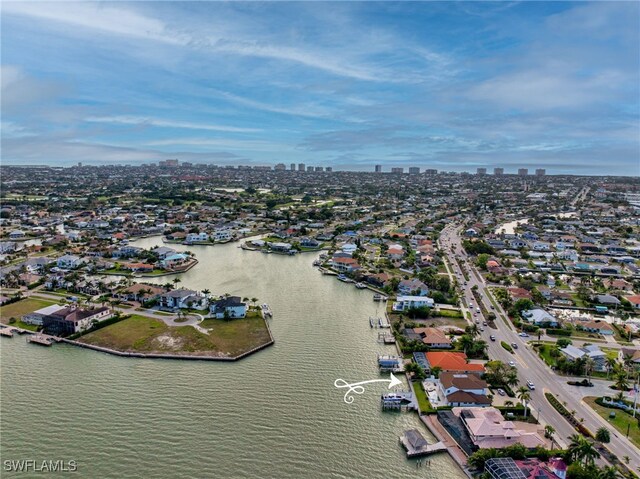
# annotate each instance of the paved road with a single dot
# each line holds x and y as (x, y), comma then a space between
(529, 365)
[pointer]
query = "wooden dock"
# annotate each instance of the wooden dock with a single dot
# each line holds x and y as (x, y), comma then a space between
(8, 332)
(417, 446)
(42, 339)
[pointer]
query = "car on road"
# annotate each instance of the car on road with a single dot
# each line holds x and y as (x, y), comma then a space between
(512, 364)
(530, 385)
(477, 321)
(492, 337)
(484, 323)
(481, 329)
(493, 307)
(501, 392)
(523, 335)
(514, 345)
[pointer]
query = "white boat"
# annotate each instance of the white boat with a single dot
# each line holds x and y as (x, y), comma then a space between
(361, 286)
(266, 311)
(342, 277)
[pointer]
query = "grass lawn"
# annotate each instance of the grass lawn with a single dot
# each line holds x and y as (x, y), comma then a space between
(143, 334)
(20, 308)
(421, 396)
(545, 353)
(620, 422)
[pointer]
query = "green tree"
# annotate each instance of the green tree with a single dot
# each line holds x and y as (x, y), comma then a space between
(603, 435)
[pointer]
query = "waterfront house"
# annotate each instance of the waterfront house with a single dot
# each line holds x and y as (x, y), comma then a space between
(345, 265)
(452, 361)
(183, 299)
(507, 468)
(72, 319)
(404, 303)
(197, 237)
(432, 337)
(230, 307)
(462, 389)
(174, 260)
(140, 292)
(488, 429)
(36, 317)
(413, 287)
(164, 251)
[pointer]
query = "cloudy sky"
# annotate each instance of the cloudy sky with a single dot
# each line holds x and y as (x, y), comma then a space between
(448, 85)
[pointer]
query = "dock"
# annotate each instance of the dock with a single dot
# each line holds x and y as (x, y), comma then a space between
(266, 311)
(8, 332)
(386, 338)
(42, 339)
(383, 322)
(417, 446)
(398, 401)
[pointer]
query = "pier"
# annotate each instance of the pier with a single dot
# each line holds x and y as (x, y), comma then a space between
(42, 339)
(417, 446)
(398, 401)
(386, 338)
(8, 332)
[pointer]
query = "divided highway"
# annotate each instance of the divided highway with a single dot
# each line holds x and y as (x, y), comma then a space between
(530, 366)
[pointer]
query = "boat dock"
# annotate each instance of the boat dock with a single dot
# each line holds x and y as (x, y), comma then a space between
(394, 364)
(383, 322)
(398, 401)
(266, 311)
(416, 445)
(42, 339)
(386, 338)
(8, 332)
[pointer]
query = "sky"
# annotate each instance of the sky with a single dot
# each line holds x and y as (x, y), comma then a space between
(447, 85)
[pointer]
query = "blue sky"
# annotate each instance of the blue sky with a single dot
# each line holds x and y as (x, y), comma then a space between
(451, 85)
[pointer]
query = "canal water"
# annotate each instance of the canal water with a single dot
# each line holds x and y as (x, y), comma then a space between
(275, 414)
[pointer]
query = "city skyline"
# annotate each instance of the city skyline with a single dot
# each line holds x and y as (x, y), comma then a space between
(444, 86)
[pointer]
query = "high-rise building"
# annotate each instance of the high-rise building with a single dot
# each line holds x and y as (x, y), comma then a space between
(523, 172)
(319, 168)
(280, 167)
(309, 168)
(301, 167)
(498, 171)
(481, 171)
(329, 169)
(378, 168)
(397, 170)
(79, 164)
(414, 170)
(293, 167)
(431, 172)
(541, 172)
(168, 163)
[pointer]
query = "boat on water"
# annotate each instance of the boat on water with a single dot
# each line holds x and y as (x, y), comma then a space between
(317, 263)
(361, 286)
(342, 277)
(379, 297)
(371, 322)
(266, 310)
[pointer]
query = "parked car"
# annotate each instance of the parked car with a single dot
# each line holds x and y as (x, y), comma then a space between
(523, 335)
(501, 392)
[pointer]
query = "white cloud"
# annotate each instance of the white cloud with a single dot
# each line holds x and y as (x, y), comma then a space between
(140, 120)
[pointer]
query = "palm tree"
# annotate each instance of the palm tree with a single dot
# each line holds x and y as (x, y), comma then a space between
(608, 472)
(588, 368)
(466, 342)
(611, 364)
(622, 384)
(511, 378)
(472, 329)
(525, 396)
(582, 450)
(549, 431)
(206, 292)
(254, 301)
(176, 281)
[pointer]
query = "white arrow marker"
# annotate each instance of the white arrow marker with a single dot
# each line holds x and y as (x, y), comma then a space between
(359, 389)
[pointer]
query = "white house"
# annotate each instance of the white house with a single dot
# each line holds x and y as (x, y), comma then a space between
(183, 298)
(222, 235)
(409, 286)
(69, 261)
(197, 237)
(539, 316)
(403, 303)
(463, 390)
(231, 307)
(17, 234)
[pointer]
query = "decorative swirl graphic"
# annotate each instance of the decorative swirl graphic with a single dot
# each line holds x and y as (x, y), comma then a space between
(357, 388)
(353, 388)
